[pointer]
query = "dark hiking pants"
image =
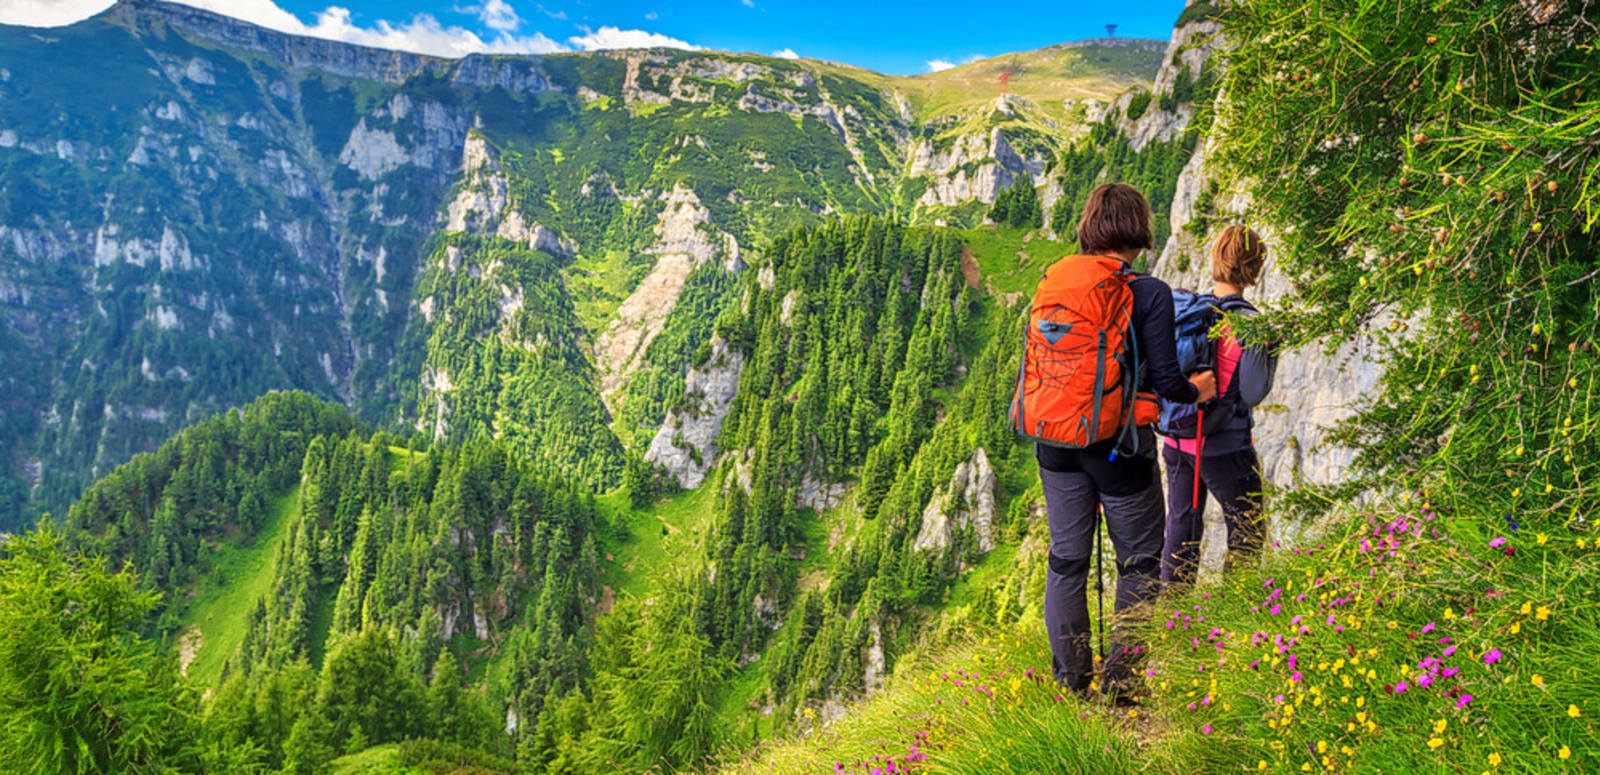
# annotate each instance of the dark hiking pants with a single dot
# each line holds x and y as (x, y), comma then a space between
(1134, 522)
(1235, 478)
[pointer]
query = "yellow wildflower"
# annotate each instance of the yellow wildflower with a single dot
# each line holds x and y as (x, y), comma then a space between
(1572, 710)
(1526, 607)
(1438, 726)
(1435, 742)
(1565, 752)
(1537, 680)
(1543, 613)
(1543, 539)
(1494, 760)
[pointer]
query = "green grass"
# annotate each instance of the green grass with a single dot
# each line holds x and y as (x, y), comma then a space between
(599, 284)
(377, 760)
(1009, 261)
(1225, 696)
(241, 572)
(1024, 727)
(668, 529)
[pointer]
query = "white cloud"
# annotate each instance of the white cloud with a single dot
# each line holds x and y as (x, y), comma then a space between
(652, 16)
(935, 65)
(785, 53)
(611, 37)
(423, 34)
(49, 13)
(748, 3)
(498, 15)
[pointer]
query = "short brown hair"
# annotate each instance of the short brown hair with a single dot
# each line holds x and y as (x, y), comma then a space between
(1116, 218)
(1237, 256)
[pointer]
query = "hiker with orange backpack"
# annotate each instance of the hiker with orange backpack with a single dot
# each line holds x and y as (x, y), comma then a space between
(1219, 433)
(1099, 338)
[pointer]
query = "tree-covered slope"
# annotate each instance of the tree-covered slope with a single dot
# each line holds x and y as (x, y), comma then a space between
(207, 210)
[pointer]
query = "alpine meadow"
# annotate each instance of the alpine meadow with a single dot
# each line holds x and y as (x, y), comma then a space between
(658, 409)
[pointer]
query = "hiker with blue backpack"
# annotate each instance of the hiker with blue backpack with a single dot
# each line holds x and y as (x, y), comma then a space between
(1217, 432)
(1099, 351)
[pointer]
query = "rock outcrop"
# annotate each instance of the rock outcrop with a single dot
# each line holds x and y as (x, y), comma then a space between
(994, 164)
(1313, 389)
(685, 444)
(1190, 48)
(966, 503)
(685, 240)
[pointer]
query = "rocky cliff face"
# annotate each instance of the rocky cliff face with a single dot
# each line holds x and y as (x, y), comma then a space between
(964, 506)
(1313, 389)
(685, 445)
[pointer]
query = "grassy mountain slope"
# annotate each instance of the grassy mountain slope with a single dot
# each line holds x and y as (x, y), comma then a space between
(1400, 642)
(1092, 70)
(211, 624)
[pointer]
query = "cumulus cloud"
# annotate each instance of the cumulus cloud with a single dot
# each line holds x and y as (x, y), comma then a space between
(748, 3)
(785, 53)
(49, 13)
(652, 16)
(611, 37)
(498, 15)
(423, 34)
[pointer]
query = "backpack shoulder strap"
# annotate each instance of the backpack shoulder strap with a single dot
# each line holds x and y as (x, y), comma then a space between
(1236, 303)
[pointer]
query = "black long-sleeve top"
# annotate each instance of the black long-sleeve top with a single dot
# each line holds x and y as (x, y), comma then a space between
(1158, 372)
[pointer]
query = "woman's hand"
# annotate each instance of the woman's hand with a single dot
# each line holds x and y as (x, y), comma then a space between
(1206, 383)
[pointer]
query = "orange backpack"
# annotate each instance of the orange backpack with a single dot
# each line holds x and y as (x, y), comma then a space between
(1077, 385)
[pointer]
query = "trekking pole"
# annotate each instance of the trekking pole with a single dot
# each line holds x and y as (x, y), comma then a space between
(1099, 582)
(1199, 447)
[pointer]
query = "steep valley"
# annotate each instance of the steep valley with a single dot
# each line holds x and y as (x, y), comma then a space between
(456, 246)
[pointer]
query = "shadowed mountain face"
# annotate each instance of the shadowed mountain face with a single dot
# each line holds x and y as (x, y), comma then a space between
(194, 210)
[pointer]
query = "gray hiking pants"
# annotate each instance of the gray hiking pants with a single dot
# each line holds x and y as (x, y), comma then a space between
(1135, 522)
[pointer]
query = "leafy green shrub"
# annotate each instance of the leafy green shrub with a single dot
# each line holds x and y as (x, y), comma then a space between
(1138, 104)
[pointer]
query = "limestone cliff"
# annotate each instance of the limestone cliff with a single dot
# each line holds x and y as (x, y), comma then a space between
(685, 444)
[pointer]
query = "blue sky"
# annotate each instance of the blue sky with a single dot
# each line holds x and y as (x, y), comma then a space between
(894, 36)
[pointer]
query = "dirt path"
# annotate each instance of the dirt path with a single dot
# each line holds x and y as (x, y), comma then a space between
(969, 270)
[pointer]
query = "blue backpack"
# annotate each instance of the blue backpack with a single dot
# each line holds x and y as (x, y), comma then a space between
(1193, 316)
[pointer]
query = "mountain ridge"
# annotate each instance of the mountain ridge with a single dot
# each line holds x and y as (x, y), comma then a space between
(323, 53)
